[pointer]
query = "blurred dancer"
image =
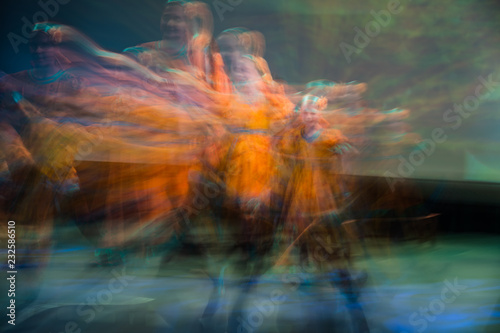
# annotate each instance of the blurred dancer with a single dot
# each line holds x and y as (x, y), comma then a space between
(51, 73)
(135, 166)
(41, 181)
(242, 164)
(35, 155)
(186, 57)
(313, 203)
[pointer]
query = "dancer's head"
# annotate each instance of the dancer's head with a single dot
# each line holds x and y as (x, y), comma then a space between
(310, 110)
(184, 20)
(174, 23)
(43, 46)
(237, 42)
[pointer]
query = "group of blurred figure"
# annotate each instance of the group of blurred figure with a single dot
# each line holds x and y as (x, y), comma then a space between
(188, 142)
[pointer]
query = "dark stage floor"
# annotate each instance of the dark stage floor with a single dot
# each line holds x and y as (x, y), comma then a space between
(457, 278)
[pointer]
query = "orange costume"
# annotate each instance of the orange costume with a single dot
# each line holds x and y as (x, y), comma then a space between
(249, 166)
(146, 149)
(312, 199)
(312, 167)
